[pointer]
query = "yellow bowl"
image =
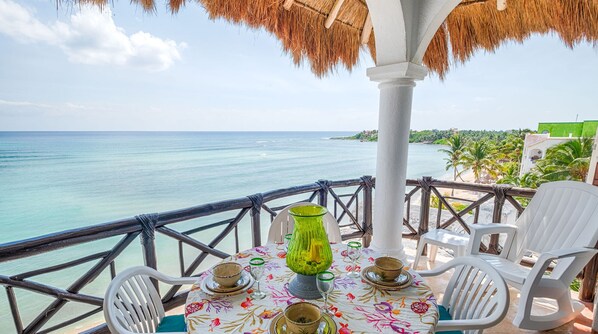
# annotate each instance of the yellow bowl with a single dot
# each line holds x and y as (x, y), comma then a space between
(388, 267)
(227, 274)
(302, 317)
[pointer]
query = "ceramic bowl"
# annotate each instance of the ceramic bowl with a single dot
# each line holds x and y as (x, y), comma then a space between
(302, 318)
(227, 274)
(388, 267)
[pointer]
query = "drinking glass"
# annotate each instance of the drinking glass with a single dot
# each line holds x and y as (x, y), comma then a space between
(287, 241)
(325, 282)
(256, 269)
(354, 252)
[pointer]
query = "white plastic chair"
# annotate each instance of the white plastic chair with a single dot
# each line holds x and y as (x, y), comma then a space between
(476, 297)
(283, 224)
(132, 303)
(560, 223)
(443, 238)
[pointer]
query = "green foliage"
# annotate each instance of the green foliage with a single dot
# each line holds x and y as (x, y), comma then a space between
(457, 206)
(441, 136)
(497, 155)
(575, 285)
(567, 161)
(478, 157)
(454, 153)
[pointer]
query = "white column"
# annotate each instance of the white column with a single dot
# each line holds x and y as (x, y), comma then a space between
(592, 171)
(396, 93)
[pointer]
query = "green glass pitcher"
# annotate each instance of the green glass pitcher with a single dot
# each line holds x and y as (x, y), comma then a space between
(309, 251)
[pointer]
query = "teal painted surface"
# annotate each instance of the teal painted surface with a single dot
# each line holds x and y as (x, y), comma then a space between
(561, 129)
(566, 129)
(589, 128)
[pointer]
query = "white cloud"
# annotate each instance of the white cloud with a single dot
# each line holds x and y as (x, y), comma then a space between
(91, 37)
(24, 104)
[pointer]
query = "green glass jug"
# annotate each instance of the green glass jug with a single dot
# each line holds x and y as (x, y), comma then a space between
(309, 251)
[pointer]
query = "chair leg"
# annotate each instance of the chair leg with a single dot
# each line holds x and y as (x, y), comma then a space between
(568, 309)
(433, 252)
(418, 253)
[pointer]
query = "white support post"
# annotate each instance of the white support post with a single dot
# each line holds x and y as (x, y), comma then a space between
(396, 93)
(593, 163)
(403, 31)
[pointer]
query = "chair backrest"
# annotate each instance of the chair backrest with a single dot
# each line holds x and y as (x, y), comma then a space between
(476, 291)
(132, 303)
(283, 224)
(561, 215)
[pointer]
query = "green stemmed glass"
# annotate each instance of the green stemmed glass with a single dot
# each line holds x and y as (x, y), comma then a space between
(325, 282)
(256, 269)
(354, 252)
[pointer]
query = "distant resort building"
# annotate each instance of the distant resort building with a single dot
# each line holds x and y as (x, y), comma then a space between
(551, 134)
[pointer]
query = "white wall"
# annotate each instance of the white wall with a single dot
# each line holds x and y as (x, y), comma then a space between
(535, 145)
(593, 161)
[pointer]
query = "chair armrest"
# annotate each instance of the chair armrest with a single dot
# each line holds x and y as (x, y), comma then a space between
(183, 280)
(492, 228)
(564, 272)
(174, 280)
(567, 252)
(478, 231)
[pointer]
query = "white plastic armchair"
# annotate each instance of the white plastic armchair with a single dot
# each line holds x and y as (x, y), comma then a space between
(476, 296)
(132, 303)
(283, 224)
(560, 223)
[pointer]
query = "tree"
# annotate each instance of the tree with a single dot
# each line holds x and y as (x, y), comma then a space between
(567, 161)
(478, 157)
(454, 153)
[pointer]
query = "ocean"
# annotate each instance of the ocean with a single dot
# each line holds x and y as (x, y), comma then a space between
(53, 181)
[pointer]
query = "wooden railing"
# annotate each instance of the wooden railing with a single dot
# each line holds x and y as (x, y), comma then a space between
(351, 202)
(427, 187)
(242, 213)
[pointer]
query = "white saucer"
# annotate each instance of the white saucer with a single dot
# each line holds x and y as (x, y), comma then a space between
(209, 286)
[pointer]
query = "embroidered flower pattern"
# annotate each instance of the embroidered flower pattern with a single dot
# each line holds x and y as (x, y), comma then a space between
(356, 306)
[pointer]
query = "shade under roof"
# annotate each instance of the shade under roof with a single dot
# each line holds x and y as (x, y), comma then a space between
(305, 34)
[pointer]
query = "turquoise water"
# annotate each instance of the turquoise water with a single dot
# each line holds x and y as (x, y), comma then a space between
(52, 181)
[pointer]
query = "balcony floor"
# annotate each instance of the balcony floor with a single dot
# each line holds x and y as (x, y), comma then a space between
(582, 324)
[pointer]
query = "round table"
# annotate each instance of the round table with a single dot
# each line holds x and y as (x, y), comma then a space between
(357, 307)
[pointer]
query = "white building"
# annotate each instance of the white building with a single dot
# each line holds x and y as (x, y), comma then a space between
(534, 148)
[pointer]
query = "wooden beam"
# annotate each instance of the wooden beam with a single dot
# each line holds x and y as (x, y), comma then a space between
(333, 13)
(367, 30)
(288, 4)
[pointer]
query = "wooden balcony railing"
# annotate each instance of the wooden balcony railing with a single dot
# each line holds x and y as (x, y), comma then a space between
(214, 231)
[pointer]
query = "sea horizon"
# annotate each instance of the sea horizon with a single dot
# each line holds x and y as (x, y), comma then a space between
(53, 181)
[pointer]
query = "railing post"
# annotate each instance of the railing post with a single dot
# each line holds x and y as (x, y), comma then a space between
(588, 284)
(368, 186)
(257, 200)
(147, 236)
(424, 211)
(323, 193)
(500, 195)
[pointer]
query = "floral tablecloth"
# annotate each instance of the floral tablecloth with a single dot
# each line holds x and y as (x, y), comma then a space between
(357, 307)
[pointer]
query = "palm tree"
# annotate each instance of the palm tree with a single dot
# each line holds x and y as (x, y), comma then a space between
(454, 153)
(511, 149)
(478, 157)
(567, 161)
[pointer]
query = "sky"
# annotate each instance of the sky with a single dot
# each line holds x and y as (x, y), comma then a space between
(82, 69)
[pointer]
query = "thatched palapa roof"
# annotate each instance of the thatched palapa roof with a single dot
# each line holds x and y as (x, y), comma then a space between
(331, 33)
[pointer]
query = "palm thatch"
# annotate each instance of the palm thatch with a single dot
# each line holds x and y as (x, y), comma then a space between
(474, 25)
